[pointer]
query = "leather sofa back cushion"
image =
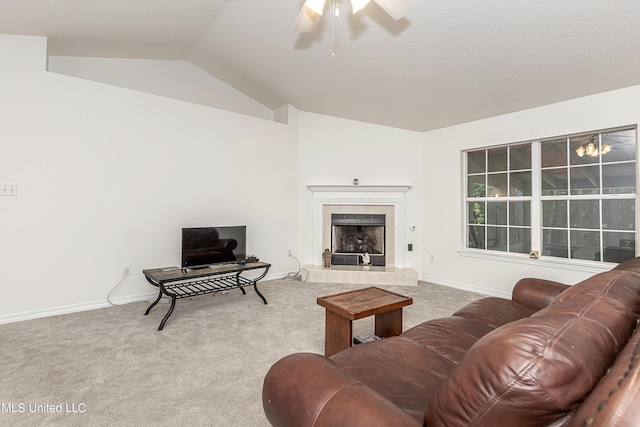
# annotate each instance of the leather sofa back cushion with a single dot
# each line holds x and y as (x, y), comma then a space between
(535, 371)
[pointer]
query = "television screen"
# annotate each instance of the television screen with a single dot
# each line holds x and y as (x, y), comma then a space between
(203, 246)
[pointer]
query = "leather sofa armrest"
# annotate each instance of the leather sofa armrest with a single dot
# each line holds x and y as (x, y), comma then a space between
(615, 400)
(305, 390)
(537, 293)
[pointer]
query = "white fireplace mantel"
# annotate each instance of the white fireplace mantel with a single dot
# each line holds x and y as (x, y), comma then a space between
(359, 188)
(392, 195)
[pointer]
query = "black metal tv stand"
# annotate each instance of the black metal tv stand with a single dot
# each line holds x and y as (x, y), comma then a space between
(177, 283)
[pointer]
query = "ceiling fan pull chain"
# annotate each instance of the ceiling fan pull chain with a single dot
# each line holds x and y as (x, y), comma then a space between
(332, 5)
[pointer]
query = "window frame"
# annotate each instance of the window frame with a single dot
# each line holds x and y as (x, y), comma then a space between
(491, 197)
(537, 198)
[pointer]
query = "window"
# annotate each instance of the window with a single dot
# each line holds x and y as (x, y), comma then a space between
(569, 197)
(499, 199)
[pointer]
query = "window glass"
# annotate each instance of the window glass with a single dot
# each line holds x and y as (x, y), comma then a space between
(554, 213)
(476, 162)
(555, 182)
(520, 213)
(584, 149)
(476, 186)
(520, 157)
(618, 214)
(618, 247)
(497, 160)
(585, 180)
(497, 185)
(585, 245)
(476, 213)
(519, 240)
(497, 238)
(497, 213)
(555, 243)
(520, 184)
(622, 143)
(620, 240)
(584, 213)
(619, 178)
(476, 237)
(553, 153)
(583, 189)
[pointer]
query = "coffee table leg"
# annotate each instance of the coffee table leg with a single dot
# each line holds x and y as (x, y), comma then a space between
(389, 324)
(338, 333)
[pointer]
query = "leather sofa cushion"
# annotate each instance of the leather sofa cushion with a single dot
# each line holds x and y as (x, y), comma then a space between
(306, 389)
(429, 352)
(448, 337)
(384, 367)
(535, 371)
(495, 312)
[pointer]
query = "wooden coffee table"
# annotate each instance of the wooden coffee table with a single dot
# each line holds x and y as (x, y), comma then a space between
(342, 309)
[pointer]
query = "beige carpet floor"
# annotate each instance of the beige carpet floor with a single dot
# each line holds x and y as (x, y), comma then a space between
(112, 367)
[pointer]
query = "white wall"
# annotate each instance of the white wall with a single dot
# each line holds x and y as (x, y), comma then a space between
(334, 151)
(107, 177)
(175, 79)
(443, 186)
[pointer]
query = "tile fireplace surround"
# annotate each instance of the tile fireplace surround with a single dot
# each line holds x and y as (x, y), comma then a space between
(365, 199)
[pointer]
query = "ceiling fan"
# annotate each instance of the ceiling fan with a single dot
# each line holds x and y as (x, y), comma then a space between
(314, 8)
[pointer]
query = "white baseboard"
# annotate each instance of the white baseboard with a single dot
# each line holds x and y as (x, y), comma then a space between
(75, 308)
(67, 309)
(465, 287)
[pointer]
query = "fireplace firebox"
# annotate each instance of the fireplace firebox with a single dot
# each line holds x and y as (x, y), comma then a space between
(353, 235)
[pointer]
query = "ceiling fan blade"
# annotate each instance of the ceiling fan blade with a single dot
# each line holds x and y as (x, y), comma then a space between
(306, 20)
(396, 8)
(356, 5)
(316, 6)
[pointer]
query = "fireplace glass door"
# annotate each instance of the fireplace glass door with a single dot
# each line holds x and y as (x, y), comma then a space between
(353, 235)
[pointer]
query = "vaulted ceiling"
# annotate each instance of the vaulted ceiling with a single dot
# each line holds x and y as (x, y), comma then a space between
(445, 63)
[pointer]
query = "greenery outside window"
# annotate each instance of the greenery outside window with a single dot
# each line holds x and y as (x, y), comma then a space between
(575, 197)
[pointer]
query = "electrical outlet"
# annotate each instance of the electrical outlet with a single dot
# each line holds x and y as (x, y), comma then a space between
(126, 270)
(289, 252)
(8, 190)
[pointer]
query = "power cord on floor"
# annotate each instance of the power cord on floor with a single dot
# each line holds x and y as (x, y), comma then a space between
(122, 279)
(298, 275)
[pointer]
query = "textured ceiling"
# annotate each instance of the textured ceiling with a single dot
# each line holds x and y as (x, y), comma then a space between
(447, 62)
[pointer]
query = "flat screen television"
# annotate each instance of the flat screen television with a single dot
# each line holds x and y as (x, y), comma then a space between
(204, 246)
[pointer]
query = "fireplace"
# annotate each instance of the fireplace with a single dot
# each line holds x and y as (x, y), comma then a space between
(353, 235)
(387, 200)
(360, 199)
(348, 231)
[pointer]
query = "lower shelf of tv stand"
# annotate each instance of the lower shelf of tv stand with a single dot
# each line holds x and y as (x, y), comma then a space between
(177, 283)
(207, 286)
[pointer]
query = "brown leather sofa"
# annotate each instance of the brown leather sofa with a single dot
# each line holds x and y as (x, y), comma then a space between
(553, 355)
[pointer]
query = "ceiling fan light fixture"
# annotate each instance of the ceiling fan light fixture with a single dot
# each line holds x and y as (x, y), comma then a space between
(591, 149)
(357, 5)
(306, 20)
(396, 8)
(316, 6)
